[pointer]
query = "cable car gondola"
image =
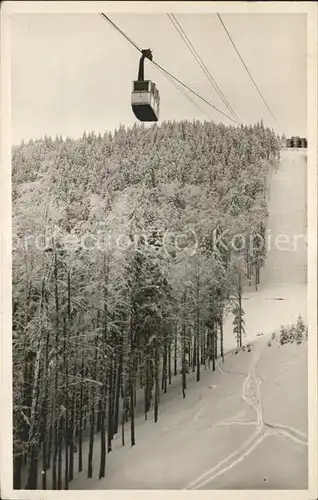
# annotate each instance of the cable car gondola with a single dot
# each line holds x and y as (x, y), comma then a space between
(145, 98)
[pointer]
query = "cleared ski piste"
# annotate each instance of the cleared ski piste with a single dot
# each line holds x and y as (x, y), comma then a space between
(243, 426)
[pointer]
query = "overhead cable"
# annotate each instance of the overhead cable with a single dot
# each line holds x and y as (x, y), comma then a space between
(199, 60)
(245, 66)
(167, 73)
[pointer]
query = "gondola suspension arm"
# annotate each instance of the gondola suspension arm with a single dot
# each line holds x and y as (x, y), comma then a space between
(146, 54)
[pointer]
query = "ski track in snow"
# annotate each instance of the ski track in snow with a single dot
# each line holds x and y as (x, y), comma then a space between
(263, 429)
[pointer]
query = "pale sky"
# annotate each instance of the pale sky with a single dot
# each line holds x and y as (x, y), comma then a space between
(74, 72)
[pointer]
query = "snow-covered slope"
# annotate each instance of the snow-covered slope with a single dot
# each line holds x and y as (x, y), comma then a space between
(285, 274)
(243, 426)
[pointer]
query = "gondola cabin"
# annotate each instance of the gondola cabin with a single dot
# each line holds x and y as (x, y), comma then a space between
(145, 101)
(145, 98)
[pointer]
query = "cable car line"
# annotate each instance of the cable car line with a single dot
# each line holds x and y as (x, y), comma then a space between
(245, 66)
(192, 101)
(167, 73)
(189, 44)
(120, 31)
(195, 93)
(199, 60)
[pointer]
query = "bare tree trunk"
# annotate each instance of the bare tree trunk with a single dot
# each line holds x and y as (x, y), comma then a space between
(17, 470)
(132, 410)
(125, 382)
(221, 336)
(102, 466)
(240, 307)
(175, 371)
(213, 346)
(141, 371)
(132, 378)
(110, 409)
(165, 364)
(50, 435)
(105, 376)
(71, 416)
(183, 348)
(99, 413)
(169, 361)
(92, 422)
(56, 374)
(146, 388)
(117, 394)
(45, 410)
(197, 326)
(66, 404)
(33, 443)
(194, 353)
(59, 447)
(80, 424)
(198, 349)
(156, 380)
(202, 337)
(123, 421)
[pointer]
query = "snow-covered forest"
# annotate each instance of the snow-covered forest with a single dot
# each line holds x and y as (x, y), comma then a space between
(123, 271)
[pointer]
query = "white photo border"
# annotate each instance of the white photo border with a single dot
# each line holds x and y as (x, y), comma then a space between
(9, 8)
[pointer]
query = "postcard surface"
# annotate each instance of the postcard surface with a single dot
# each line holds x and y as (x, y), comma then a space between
(159, 249)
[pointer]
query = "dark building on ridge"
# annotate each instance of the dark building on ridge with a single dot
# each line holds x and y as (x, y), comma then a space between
(296, 142)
